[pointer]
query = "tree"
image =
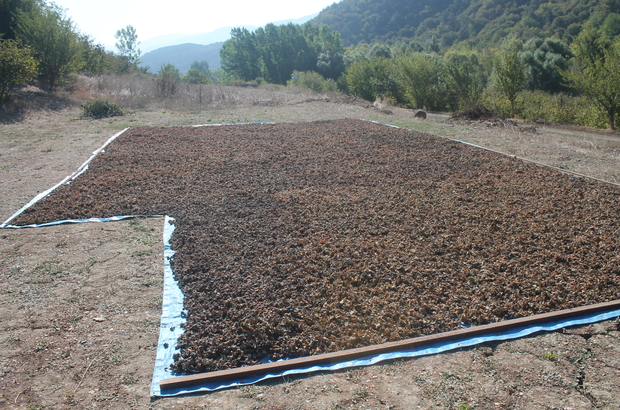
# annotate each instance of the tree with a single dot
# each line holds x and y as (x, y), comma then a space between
(194, 76)
(611, 25)
(463, 75)
(543, 61)
(380, 50)
(420, 76)
(201, 66)
(239, 55)
(510, 75)
(9, 15)
(127, 45)
(273, 52)
(168, 81)
(169, 71)
(54, 40)
(97, 60)
(596, 73)
(17, 65)
(327, 46)
(374, 78)
(433, 45)
(330, 64)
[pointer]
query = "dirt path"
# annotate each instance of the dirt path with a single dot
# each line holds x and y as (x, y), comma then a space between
(80, 304)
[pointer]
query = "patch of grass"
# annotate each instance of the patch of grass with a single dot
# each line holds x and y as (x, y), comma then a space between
(9, 166)
(15, 271)
(41, 345)
(135, 225)
(450, 374)
(253, 392)
(462, 406)
(361, 392)
(51, 267)
(551, 357)
(148, 283)
(144, 252)
(47, 150)
(331, 388)
(128, 379)
(419, 379)
(143, 233)
(143, 239)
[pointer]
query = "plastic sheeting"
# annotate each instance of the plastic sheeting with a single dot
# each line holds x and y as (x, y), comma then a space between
(79, 221)
(421, 351)
(239, 123)
(172, 316)
(67, 180)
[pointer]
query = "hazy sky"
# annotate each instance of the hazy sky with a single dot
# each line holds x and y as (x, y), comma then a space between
(151, 18)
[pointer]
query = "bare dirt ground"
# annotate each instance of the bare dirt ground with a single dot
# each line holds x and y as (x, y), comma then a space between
(80, 304)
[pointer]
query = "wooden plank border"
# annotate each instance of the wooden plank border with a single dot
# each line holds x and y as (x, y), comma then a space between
(351, 354)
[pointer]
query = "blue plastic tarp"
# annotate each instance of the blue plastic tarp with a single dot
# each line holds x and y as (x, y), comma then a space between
(374, 359)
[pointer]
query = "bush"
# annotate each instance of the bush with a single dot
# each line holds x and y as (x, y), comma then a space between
(370, 79)
(101, 109)
(17, 65)
(194, 76)
(313, 81)
(166, 86)
(541, 106)
(419, 76)
(168, 81)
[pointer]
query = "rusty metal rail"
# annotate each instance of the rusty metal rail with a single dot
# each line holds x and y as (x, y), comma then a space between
(351, 354)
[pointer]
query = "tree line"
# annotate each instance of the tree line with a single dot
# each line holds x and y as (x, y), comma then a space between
(536, 72)
(272, 53)
(564, 79)
(583, 76)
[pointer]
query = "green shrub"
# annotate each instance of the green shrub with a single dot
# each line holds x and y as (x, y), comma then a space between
(499, 103)
(313, 81)
(101, 109)
(194, 76)
(17, 65)
(541, 106)
(370, 79)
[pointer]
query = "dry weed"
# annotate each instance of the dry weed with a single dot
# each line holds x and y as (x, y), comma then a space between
(133, 92)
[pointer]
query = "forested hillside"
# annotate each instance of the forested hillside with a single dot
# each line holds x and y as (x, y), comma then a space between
(477, 22)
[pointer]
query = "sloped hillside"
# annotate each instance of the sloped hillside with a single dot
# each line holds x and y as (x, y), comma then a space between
(480, 22)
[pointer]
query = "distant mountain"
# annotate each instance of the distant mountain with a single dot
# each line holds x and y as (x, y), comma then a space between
(182, 56)
(476, 22)
(216, 36)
